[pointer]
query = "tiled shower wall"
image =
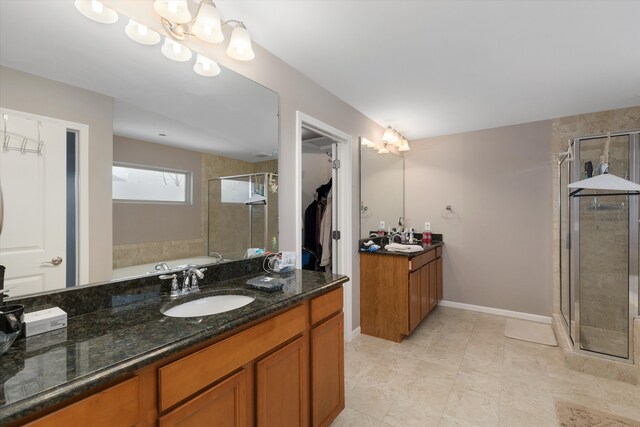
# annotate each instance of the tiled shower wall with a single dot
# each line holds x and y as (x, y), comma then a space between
(212, 166)
(573, 126)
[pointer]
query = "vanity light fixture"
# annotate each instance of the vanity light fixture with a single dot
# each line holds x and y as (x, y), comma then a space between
(175, 51)
(95, 10)
(173, 10)
(404, 145)
(395, 138)
(389, 135)
(141, 33)
(206, 67)
(206, 26)
(383, 149)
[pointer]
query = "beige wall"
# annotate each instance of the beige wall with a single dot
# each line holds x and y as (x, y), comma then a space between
(153, 222)
(498, 181)
(29, 93)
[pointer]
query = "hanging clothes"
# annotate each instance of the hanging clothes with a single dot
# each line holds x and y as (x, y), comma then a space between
(313, 219)
(325, 234)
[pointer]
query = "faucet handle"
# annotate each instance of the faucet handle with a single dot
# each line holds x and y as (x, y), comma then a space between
(175, 291)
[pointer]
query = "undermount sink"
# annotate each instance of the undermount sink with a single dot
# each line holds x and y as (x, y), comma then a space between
(209, 305)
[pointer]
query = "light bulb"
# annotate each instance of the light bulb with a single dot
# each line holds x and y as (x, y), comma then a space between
(173, 10)
(175, 51)
(240, 44)
(96, 6)
(96, 11)
(206, 67)
(141, 33)
(207, 25)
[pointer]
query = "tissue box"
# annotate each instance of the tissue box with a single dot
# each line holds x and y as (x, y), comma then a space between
(42, 321)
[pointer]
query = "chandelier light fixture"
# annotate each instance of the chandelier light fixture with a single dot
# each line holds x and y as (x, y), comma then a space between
(180, 24)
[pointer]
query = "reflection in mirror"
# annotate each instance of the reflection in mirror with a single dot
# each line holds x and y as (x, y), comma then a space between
(113, 114)
(381, 190)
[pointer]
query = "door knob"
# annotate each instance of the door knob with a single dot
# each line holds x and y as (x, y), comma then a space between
(54, 261)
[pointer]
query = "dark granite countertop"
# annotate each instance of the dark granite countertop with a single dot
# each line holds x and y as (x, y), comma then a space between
(101, 346)
(425, 248)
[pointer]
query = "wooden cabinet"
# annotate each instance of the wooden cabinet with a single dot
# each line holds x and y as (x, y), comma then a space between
(397, 292)
(439, 280)
(99, 409)
(327, 371)
(415, 299)
(287, 370)
(282, 386)
(220, 406)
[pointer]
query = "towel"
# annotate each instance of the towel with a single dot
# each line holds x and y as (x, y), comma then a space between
(397, 247)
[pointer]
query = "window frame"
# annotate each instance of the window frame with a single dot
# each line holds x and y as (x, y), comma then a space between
(188, 184)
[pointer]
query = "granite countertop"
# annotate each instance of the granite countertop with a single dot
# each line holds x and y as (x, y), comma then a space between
(104, 345)
(425, 248)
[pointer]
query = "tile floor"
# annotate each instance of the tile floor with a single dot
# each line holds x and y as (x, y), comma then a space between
(458, 369)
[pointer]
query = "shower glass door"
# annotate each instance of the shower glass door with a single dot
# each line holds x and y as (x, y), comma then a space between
(601, 251)
(564, 237)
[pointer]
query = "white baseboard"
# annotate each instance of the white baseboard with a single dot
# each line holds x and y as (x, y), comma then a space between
(355, 332)
(497, 311)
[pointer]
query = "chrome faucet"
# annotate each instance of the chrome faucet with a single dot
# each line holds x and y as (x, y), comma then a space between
(189, 282)
(162, 267)
(190, 279)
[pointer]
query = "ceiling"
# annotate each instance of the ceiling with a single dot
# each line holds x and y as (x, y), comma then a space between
(439, 67)
(228, 114)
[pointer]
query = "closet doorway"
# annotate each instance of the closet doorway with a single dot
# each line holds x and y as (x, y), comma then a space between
(323, 200)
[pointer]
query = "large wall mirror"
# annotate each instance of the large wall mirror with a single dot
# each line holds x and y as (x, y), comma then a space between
(381, 189)
(172, 167)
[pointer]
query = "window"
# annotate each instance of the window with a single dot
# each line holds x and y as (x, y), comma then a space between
(150, 184)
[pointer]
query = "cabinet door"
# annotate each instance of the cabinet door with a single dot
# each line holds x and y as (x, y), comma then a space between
(414, 299)
(327, 371)
(424, 292)
(282, 387)
(224, 405)
(439, 278)
(99, 409)
(433, 297)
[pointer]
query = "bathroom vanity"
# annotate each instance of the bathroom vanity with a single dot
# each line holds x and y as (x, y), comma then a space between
(398, 290)
(276, 361)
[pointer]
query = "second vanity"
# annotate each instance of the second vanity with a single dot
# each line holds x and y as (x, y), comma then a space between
(276, 361)
(399, 290)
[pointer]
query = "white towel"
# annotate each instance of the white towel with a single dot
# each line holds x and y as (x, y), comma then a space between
(397, 247)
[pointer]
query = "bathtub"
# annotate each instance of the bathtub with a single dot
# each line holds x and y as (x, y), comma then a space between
(174, 264)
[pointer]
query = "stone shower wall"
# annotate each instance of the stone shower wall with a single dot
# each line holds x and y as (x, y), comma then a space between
(605, 296)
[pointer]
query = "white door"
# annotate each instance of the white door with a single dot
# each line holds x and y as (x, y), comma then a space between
(34, 190)
(335, 226)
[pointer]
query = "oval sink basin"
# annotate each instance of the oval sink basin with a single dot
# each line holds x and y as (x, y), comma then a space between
(209, 305)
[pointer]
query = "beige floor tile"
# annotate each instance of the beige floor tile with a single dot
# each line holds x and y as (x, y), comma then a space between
(371, 401)
(526, 397)
(512, 417)
(458, 369)
(352, 418)
(471, 409)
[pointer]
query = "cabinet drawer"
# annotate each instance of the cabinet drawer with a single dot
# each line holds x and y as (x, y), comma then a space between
(115, 406)
(226, 403)
(438, 252)
(417, 262)
(326, 305)
(186, 376)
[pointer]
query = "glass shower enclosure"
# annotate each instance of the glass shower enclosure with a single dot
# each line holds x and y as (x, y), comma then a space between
(599, 249)
(242, 214)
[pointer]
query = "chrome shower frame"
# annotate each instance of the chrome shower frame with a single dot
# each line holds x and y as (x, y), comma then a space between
(574, 166)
